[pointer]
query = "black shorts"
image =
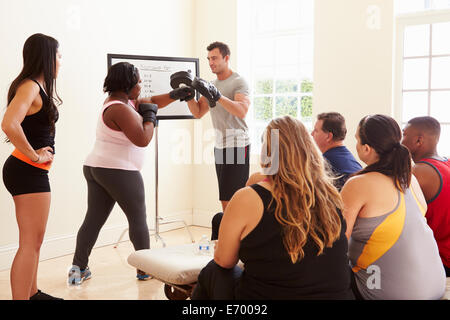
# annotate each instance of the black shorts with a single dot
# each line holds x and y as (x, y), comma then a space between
(21, 178)
(232, 168)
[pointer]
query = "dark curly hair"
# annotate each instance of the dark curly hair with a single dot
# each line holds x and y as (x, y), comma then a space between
(122, 76)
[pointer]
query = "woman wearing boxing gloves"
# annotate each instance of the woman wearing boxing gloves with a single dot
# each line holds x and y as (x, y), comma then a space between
(112, 169)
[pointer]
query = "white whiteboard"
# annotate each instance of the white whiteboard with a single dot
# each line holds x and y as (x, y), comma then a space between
(155, 75)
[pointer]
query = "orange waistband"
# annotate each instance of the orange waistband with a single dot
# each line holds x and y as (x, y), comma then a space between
(19, 155)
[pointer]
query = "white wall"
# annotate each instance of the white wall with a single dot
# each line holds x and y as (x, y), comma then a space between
(216, 20)
(353, 59)
(87, 31)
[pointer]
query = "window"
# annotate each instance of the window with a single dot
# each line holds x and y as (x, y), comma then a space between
(276, 56)
(423, 69)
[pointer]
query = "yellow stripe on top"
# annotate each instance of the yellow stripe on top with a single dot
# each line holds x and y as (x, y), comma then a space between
(383, 237)
(422, 209)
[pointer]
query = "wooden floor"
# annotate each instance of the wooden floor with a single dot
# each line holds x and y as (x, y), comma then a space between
(112, 277)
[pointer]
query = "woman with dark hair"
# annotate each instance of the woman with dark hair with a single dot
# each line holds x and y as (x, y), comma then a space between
(29, 124)
(286, 228)
(112, 169)
(392, 251)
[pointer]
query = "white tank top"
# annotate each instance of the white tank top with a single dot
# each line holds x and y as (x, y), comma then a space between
(112, 149)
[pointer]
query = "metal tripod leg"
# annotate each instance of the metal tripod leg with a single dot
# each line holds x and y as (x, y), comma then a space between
(185, 226)
(157, 235)
(120, 238)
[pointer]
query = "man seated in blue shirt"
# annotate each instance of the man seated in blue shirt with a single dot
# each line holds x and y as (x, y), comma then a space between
(329, 134)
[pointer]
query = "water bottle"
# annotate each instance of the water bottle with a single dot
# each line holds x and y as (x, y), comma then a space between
(204, 247)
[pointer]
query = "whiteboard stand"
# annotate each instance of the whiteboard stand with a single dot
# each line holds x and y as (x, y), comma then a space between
(158, 219)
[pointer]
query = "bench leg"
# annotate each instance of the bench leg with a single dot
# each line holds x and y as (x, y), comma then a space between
(178, 292)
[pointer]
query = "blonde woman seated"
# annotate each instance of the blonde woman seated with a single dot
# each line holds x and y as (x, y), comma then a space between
(287, 229)
(391, 248)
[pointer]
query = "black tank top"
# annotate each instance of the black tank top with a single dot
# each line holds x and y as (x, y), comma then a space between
(270, 274)
(37, 127)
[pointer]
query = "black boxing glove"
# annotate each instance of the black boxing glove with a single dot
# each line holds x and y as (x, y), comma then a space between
(185, 93)
(148, 112)
(207, 89)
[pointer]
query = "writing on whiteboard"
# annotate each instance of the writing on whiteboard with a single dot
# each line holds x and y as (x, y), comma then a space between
(155, 75)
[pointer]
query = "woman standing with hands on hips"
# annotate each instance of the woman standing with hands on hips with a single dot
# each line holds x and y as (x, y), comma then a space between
(29, 124)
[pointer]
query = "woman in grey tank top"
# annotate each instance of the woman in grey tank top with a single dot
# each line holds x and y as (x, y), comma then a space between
(392, 251)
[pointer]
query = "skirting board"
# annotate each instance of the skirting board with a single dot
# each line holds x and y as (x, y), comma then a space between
(202, 218)
(64, 245)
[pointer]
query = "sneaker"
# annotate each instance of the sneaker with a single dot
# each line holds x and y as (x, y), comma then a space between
(43, 296)
(77, 276)
(142, 276)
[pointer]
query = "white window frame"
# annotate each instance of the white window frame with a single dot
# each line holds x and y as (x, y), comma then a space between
(427, 5)
(403, 21)
(247, 49)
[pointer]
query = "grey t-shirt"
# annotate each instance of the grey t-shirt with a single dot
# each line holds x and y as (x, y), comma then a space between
(231, 131)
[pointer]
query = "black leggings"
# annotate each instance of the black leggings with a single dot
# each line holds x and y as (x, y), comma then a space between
(105, 188)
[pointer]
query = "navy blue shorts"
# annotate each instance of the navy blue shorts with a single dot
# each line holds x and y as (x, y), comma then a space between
(21, 178)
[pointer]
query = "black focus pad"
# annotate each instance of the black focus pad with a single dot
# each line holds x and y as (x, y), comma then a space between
(180, 77)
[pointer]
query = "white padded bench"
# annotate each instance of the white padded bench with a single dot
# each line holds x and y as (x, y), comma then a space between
(177, 266)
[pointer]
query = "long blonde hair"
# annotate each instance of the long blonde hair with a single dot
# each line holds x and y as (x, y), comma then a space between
(306, 200)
